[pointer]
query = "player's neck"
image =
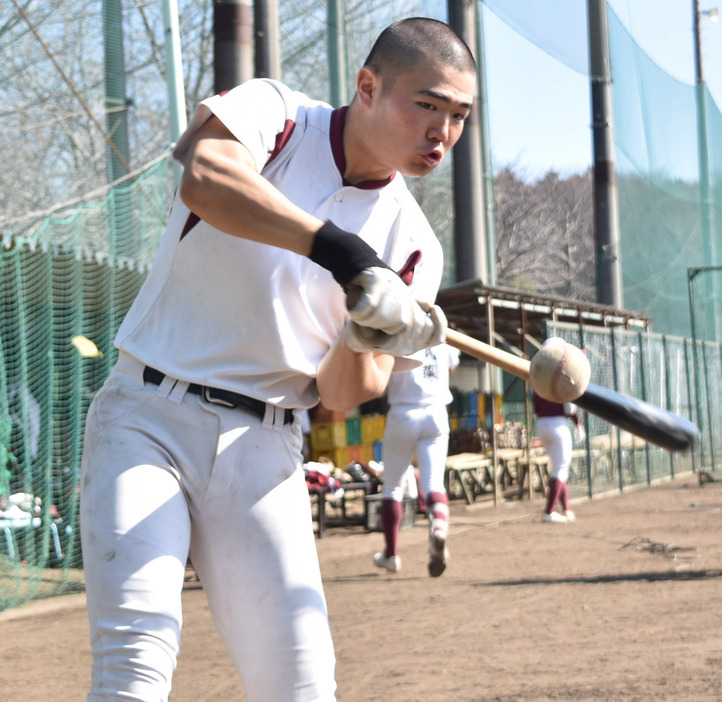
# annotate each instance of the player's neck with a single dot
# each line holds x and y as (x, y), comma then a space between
(362, 164)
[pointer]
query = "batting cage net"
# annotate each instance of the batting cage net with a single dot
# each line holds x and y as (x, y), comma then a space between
(660, 370)
(63, 294)
(80, 223)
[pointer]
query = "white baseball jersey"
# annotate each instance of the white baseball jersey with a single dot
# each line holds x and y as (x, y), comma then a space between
(268, 345)
(427, 384)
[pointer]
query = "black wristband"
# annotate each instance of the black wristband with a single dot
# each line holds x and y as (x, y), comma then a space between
(344, 254)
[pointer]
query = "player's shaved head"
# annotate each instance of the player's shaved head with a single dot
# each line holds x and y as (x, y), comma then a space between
(407, 43)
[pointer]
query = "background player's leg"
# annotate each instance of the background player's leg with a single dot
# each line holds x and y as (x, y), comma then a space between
(556, 439)
(431, 453)
(398, 448)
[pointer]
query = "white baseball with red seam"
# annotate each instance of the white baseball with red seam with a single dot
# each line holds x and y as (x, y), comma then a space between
(559, 371)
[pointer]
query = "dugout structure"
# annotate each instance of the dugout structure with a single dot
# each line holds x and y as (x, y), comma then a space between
(625, 355)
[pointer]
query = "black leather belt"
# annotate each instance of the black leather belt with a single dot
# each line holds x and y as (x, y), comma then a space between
(220, 397)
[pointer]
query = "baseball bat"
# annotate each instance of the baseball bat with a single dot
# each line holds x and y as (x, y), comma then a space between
(651, 423)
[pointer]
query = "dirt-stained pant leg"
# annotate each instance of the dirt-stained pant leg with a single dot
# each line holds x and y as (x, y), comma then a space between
(157, 461)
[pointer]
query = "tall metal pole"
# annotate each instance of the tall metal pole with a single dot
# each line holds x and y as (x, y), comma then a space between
(336, 39)
(116, 103)
(174, 76)
(469, 233)
(486, 166)
(709, 250)
(268, 41)
(124, 241)
(232, 44)
(606, 217)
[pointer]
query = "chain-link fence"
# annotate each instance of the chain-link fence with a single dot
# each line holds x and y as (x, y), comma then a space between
(657, 369)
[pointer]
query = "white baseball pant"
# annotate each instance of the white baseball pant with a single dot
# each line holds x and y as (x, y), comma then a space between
(556, 437)
(413, 429)
(166, 473)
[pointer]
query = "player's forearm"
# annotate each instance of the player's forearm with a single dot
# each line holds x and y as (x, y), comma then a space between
(220, 186)
(346, 379)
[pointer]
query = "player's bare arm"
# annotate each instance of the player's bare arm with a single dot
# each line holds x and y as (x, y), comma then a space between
(346, 379)
(221, 185)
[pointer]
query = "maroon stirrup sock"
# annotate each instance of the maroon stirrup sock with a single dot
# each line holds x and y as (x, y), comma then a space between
(391, 513)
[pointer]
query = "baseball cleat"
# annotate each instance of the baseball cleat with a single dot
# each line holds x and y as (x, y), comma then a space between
(392, 563)
(569, 515)
(438, 553)
(554, 518)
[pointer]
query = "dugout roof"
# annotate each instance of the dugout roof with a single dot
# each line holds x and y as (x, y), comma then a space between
(469, 306)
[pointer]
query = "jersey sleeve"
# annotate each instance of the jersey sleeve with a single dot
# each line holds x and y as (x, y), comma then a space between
(255, 112)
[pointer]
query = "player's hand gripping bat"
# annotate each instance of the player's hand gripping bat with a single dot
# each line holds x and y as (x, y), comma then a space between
(651, 423)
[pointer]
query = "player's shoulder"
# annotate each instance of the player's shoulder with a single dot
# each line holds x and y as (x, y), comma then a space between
(268, 95)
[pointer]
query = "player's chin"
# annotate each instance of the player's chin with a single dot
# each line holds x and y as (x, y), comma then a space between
(419, 169)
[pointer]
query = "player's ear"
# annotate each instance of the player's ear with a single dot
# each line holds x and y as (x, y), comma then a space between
(367, 85)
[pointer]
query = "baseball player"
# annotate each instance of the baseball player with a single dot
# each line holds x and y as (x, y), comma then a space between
(553, 428)
(193, 445)
(418, 423)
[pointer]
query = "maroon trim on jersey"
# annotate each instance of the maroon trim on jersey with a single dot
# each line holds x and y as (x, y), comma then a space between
(338, 120)
(547, 408)
(282, 139)
(191, 222)
(407, 270)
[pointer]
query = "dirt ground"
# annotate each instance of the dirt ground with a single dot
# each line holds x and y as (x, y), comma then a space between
(624, 604)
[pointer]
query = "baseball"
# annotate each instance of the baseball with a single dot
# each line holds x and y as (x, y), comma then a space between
(559, 371)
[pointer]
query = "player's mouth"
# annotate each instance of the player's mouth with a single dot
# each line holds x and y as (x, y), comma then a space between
(432, 158)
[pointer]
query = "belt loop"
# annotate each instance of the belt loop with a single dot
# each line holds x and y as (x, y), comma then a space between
(275, 416)
(180, 387)
(166, 386)
(269, 416)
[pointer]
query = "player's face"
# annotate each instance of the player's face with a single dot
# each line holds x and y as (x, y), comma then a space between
(421, 117)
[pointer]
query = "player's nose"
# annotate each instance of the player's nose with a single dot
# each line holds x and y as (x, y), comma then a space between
(439, 129)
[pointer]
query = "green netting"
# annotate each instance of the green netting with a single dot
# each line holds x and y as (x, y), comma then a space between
(71, 277)
(661, 208)
(667, 222)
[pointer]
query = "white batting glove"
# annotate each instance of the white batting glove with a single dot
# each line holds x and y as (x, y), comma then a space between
(384, 302)
(427, 328)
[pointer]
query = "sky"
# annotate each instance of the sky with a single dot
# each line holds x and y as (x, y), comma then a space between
(539, 108)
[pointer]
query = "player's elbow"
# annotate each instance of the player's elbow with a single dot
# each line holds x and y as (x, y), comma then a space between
(340, 402)
(351, 391)
(192, 186)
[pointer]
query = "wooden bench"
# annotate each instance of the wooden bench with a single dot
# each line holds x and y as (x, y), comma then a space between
(472, 471)
(536, 464)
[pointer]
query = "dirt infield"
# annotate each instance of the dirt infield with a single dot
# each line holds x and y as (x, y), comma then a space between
(624, 604)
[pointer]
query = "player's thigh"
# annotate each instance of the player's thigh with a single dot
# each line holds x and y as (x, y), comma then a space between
(432, 448)
(556, 439)
(256, 557)
(398, 448)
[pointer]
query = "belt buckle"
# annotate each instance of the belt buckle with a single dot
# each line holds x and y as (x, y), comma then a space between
(206, 394)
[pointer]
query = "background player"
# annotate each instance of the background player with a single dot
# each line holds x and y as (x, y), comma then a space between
(552, 425)
(194, 443)
(418, 423)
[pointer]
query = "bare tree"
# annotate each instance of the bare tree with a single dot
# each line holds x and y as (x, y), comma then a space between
(545, 240)
(53, 115)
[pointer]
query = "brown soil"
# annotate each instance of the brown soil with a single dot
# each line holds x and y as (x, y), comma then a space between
(624, 604)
